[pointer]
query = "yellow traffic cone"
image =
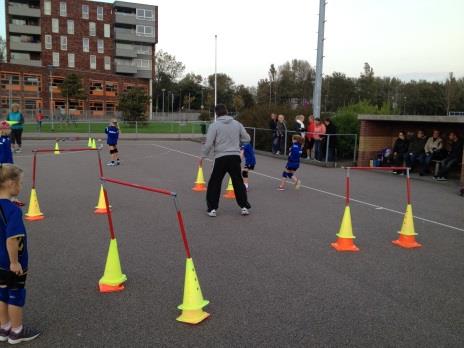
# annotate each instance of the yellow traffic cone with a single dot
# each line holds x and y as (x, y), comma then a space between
(101, 205)
(200, 182)
(57, 149)
(193, 302)
(407, 234)
(89, 143)
(34, 213)
(94, 144)
(113, 278)
(230, 194)
(345, 235)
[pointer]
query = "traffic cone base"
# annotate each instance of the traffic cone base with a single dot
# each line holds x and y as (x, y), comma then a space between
(229, 195)
(34, 213)
(101, 211)
(344, 244)
(408, 242)
(193, 317)
(199, 188)
(200, 182)
(110, 288)
(113, 278)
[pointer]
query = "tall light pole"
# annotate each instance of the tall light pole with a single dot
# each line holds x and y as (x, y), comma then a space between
(164, 90)
(215, 74)
(172, 101)
(10, 92)
(320, 59)
(52, 111)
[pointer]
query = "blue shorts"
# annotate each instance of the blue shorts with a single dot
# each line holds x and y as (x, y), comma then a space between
(292, 166)
(12, 289)
(250, 166)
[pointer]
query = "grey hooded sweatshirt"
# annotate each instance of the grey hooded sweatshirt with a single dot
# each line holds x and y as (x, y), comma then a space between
(224, 137)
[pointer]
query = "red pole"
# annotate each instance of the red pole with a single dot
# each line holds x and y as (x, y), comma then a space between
(65, 150)
(183, 234)
(347, 195)
(108, 213)
(377, 168)
(137, 186)
(408, 186)
(34, 166)
(100, 164)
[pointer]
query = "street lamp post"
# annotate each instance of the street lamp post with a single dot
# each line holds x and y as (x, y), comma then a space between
(52, 111)
(172, 102)
(164, 90)
(10, 92)
(215, 74)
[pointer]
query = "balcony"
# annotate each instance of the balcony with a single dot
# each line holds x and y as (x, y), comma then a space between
(125, 68)
(144, 74)
(23, 10)
(131, 36)
(26, 46)
(124, 52)
(26, 61)
(25, 29)
(126, 18)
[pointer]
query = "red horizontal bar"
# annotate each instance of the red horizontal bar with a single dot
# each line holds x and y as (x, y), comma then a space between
(64, 150)
(377, 168)
(140, 187)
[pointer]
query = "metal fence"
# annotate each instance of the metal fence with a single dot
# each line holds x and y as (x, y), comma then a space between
(331, 148)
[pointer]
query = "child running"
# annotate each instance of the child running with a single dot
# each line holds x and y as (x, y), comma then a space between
(6, 154)
(13, 260)
(247, 153)
(293, 163)
(112, 132)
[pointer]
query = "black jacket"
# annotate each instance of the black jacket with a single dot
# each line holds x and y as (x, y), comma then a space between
(401, 146)
(456, 150)
(331, 129)
(273, 125)
(417, 146)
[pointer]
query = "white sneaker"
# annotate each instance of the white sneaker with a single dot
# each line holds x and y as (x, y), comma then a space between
(245, 211)
(212, 213)
(298, 184)
(111, 164)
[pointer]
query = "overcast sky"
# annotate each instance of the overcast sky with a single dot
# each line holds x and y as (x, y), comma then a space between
(403, 38)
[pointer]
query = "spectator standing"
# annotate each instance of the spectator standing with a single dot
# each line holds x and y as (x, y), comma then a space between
(39, 118)
(416, 149)
(281, 129)
(224, 138)
(433, 151)
(309, 143)
(17, 119)
(273, 128)
(453, 158)
(299, 125)
(319, 131)
(330, 139)
(400, 151)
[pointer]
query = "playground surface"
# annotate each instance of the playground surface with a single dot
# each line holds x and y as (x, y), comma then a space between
(272, 278)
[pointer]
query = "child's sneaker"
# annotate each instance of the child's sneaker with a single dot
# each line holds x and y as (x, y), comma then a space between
(25, 335)
(111, 164)
(245, 212)
(118, 162)
(298, 184)
(4, 334)
(212, 213)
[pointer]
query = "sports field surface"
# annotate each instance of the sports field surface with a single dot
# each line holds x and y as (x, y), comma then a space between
(272, 278)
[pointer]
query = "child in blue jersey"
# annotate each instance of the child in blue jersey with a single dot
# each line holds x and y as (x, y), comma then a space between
(112, 132)
(13, 259)
(247, 153)
(293, 163)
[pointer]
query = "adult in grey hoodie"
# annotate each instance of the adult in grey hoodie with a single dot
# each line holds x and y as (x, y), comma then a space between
(223, 139)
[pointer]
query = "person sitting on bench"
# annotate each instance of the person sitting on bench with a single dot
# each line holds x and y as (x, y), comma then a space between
(433, 151)
(454, 157)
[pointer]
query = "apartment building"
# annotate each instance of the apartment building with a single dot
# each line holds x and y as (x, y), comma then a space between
(110, 46)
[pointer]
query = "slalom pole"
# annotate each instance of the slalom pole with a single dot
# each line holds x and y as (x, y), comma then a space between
(34, 170)
(180, 219)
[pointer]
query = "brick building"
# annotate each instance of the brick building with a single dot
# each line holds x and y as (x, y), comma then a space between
(111, 47)
(380, 131)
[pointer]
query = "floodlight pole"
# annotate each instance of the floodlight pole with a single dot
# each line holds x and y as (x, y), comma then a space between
(319, 62)
(215, 75)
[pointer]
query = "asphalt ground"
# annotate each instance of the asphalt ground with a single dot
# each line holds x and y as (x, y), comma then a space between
(271, 277)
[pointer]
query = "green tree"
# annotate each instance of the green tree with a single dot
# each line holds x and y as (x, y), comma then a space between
(133, 104)
(452, 93)
(2, 50)
(168, 71)
(225, 90)
(72, 89)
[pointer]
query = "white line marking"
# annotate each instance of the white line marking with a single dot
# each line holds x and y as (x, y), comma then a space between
(378, 207)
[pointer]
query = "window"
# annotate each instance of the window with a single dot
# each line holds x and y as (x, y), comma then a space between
(71, 60)
(64, 43)
(96, 88)
(56, 84)
(143, 64)
(70, 27)
(110, 108)
(48, 8)
(32, 83)
(144, 30)
(85, 44)
(107, 63)
(144, 50)
(93, 62)
(100, 13)
(48, 42)
(76, 107)
(96, 108)
(111, 89)
(63, 9)
(85, 11)
(128, 87)
(144, 14)
(92, 29)
(56, 59)
(107, 30)
(100, 46)
(55, 25)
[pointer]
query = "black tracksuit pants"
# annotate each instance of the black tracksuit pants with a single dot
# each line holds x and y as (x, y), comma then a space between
(223, 165)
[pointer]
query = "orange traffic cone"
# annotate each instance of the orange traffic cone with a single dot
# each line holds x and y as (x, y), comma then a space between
(407, 234)
(345, 235)
(101, 206)
(230, 194)
(200, 182)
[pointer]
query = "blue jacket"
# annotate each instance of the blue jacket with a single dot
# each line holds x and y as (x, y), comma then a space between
(16, 117)
(113, 135)
(6, 156)
(295, 154)
(249, 154)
